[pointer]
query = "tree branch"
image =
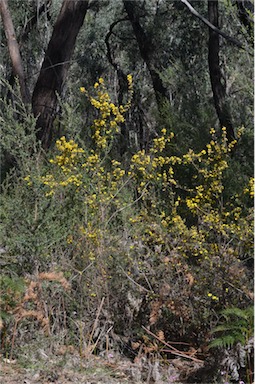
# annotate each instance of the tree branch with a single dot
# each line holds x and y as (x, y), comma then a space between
(14, 49)
(107, 42)
(211, 26)
(147, 51)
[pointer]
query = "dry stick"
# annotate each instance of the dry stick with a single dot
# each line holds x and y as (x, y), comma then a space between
(173, 350)
(149, 375)
(128, 205)
(147, 281)
(93, 347)
(164, 342)
(13, 338)
(80, 273)
(96, 320)
(239, 290)
(133, 281)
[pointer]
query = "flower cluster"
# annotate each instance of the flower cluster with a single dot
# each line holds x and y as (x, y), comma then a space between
(250, 188)
(69, 154)
(153, 167)
(67, 162)
(110, 116)
(210, 164)
(75, 167)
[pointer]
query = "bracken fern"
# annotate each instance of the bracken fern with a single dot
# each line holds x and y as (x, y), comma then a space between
(237, 326)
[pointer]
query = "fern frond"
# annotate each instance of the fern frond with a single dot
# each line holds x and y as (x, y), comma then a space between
(237, 326)
(222, 342)
(229, 327)
(241, 313)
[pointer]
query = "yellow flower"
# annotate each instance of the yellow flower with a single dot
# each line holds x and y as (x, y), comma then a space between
(82, 90)
(129, 79)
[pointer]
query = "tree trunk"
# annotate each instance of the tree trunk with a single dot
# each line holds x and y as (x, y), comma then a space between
(22, 38)
(55, 66)
(217, 80)
(14, 49)
(146, 49)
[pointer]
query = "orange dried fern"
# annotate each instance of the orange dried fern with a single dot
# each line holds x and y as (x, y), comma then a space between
(33, 306)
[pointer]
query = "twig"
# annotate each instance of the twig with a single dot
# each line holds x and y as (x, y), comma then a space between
(13, 338)
(133, 281)
(128, 205)
(147, 281)
(173, 350)
(237, 289)
(80, 273)
(96, 320)
(121, 187)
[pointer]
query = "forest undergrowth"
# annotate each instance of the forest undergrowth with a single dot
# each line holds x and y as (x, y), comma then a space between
(148, 255)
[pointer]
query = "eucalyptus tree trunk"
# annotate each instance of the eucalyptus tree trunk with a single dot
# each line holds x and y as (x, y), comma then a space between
(55, 66)
(217, 80)
(14, 49)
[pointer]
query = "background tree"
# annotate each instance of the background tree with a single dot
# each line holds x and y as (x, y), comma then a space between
(147, 49)
(55, 66)
(14, 50)
(217, 80)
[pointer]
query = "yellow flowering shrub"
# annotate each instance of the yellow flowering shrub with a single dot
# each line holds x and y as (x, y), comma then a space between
(179, 243)
(197, 245)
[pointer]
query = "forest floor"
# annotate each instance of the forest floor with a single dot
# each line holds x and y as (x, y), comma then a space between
(68, 368)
